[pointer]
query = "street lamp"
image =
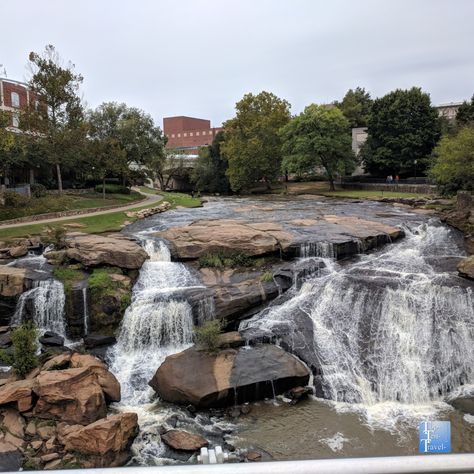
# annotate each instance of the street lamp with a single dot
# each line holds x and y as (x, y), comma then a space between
(416, 161)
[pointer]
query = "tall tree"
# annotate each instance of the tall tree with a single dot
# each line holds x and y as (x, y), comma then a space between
(453, 167)
(57, 117)
(209, 173)
(11, 149)
(318, 137)
(356, 106)
(403, 129)
(252, 143)
(465, 114)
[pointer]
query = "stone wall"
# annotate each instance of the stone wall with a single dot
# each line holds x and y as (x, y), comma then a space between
(402, 188)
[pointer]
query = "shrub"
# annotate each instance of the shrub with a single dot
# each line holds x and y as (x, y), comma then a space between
(100, 282)
(24, 358)
(266, 277)
(221, 260)
(38, 190)
(112, 189)
(208, 334)
(55, 236)
(13, 199)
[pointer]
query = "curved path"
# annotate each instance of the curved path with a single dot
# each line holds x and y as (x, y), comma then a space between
(150, 200)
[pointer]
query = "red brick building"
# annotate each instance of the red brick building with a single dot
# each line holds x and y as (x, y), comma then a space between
(188, 134)
(14, 97)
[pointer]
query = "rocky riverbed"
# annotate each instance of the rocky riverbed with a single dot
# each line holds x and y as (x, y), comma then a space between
(322, 291)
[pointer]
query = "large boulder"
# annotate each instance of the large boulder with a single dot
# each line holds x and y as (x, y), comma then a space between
(229, 376)
(463, 399)
(466, 267)
(226, 235)
(94, 250)
(183, 441)
(12, 281)
(18, 393)
(70, 395)
(104, 442)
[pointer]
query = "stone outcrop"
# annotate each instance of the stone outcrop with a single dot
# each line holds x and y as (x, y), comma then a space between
(95, 250)
(105, 442)
(13, 281)
(183, 441)
(151, 211)
(463, 399)
(66, 424)
(226, 235)
(466, 267)
(229, 376)
(462, 217)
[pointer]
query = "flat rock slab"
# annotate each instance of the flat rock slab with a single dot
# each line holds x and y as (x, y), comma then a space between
(229, 376)
(183, 441)
(93, 250)
(466, 267)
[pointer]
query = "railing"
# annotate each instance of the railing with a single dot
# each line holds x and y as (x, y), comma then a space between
(435, 463)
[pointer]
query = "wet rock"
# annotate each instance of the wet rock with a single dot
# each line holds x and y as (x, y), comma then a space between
(183, 441)
(226, 235)
(298, 393)
(105, 442)
(91, 342)
(463, 400)
(51, 339)
(5, 340)
(94, 250)
(228, 376)
(466, 267)
(253, 456)
(71, 395)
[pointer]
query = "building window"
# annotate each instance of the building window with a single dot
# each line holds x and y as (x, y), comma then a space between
(197, 134)
(179, 135)
(191, 134)
(15, 99)
(15, 120)
(172, 135)
(210, 132)
(185, 134)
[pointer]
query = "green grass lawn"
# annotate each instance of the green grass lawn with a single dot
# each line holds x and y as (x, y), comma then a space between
(361, 194)
(97, 224)
(52, 203)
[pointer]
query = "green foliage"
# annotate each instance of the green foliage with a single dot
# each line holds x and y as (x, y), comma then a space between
(309, 177)
(15, 200)
(24, 357)
(208, 334)
(252, 143)
(453, 167)
(209, 173)
(100, 282)
(112, 189)
(403, 127)
(356, 106)
(465, 114)
(318, 137)
(38, 190)
(266, 277)
(223, 260)
(55, 236)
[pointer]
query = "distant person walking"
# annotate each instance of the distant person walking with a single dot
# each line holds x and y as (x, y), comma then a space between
(397, 179)
(389, 179)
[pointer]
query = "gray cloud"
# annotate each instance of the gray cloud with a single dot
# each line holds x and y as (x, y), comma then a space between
(198, 57)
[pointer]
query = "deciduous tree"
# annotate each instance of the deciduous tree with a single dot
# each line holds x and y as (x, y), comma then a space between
(252, 143)
(318, 137)
(356, 106)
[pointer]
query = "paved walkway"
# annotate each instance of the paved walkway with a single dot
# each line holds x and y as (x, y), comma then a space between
(151, 199)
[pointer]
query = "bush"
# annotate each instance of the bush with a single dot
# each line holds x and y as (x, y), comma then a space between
(100, 282)
(38, 190)
(25, 347)
(266, 277)
(208, 334)
(221, 260)
(309, 177)
(55, 236)
(112, 189)
(13, 199)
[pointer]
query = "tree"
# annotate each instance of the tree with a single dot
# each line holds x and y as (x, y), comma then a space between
(356, 106)
(318, 137)
(403, 129)
(465, 114)
(209, 173)
(57, 118)
(252, 143)
(133, 132)
(453, 168)
(11, 147)
(174, 164)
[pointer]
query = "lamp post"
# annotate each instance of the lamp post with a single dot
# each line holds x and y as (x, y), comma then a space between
(416, 161)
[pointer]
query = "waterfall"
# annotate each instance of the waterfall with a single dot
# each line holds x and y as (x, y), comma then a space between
(395, 327)
(158, 322)
(318, 249)
(44, 304)
(85, 310)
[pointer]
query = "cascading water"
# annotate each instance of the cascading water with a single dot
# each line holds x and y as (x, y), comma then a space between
(85, 309)
(318, 249)
(44, 303)
(393, 329)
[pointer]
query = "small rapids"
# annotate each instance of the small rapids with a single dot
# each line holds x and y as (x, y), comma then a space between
(389, 334)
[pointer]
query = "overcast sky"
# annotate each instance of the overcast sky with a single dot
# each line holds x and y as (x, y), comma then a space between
(198, 57)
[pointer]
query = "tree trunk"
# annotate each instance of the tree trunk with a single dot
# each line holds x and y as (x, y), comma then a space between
(331, 184)
(60, 179)
(103, 188)
(32, 176)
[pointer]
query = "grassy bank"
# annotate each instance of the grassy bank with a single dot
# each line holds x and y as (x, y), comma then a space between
(111, 222)
(52, 203)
